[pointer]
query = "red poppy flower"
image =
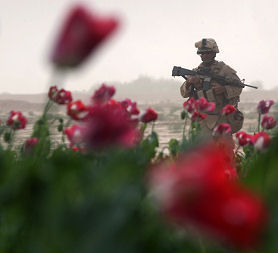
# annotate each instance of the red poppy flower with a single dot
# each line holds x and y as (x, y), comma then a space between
(78, 149)
(210, 107)
(195, 193)
(261, 140)
(75, 135)
(149, 115)
(30, 144)
(203, 105)
(53, 90)
(77, 110)
(268, 122)
(103, 94)
(110, 125)
(189, 105)
(243, 138)
(222, 129)
(81, 33)
(228, 109)
(16, 120)
(264, 106)
(196, 116)
(63, 97)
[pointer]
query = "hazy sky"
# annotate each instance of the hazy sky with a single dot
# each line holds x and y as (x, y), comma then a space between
(154, 36)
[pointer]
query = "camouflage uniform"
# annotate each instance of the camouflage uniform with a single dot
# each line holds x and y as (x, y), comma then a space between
(229, 96)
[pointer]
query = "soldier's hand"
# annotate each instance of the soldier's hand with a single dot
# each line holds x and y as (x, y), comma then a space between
(218, 89)
(193, 80)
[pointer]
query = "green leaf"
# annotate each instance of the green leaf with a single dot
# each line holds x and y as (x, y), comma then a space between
(173, 147)
(183, 115)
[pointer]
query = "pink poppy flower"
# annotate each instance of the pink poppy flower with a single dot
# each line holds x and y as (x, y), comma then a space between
(268, 122)
(264, 106)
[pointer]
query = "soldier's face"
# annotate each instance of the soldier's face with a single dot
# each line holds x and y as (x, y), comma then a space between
(207, 57)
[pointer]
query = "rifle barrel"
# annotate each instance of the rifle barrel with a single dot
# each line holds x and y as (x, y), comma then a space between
(251, 86)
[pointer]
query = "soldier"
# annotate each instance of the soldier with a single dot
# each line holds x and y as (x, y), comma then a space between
(220, 95)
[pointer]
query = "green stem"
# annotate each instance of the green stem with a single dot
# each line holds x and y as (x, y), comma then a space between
(153, 126)
(142, 129)
(184, 127)
(47, 108)
(11, 142)
(57, 78)
(259, 122)
(202, 246)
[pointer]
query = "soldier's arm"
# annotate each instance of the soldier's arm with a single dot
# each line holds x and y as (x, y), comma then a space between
(186, 90)
(231, 91)
(187, 87)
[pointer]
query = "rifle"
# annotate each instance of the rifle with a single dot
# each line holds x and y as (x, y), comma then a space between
(179, 71)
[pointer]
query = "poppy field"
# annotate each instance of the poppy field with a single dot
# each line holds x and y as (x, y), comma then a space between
(107, 186)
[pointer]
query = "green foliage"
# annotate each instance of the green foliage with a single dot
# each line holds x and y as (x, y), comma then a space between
(57, 200)
(174, 147)
(7, 137)
(74, 202)
(184, 115)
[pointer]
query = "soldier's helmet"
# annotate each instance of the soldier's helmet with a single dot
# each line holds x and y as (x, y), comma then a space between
(206, 45)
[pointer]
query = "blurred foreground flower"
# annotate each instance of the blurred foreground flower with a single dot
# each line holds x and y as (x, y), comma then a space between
(75, 135)
(264, 106)
(131, 107)
(103, 94)
(30, 144)
(16, 120)
(110, 125)
(195, 193)
(268, 122)
(80, 35)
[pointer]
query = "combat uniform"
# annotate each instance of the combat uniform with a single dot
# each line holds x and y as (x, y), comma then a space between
(229, 96)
